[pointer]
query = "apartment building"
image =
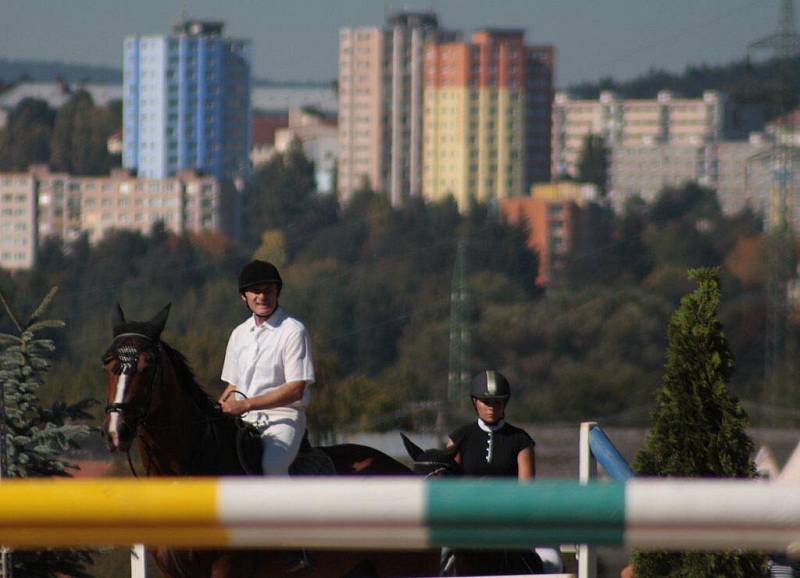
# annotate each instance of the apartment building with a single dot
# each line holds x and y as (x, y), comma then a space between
(487, 116)
(665, 119)
(744, 173)
(40, 204)
(552, 214)
(380, 105)
(18, 232)
(644, 170)
(186, 102)
(318, 134)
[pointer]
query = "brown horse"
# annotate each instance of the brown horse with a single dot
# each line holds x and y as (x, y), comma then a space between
(154, 396)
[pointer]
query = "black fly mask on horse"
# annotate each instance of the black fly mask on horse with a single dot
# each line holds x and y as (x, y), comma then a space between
(432, 463)
(136, 346)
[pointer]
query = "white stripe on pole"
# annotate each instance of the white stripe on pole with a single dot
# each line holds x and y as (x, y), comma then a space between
(711, 513)
(688, 538)
(304, 502)
(387, 537)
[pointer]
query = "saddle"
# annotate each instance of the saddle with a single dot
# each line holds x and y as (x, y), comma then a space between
(310, 461)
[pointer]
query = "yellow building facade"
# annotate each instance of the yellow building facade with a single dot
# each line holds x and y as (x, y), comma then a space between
(476, 123)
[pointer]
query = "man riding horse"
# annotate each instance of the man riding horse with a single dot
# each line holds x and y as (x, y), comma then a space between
(268, 369)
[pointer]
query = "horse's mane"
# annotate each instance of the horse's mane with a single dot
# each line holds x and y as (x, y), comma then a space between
(187, 380)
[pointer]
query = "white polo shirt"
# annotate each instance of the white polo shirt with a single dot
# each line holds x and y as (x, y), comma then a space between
(262, 357)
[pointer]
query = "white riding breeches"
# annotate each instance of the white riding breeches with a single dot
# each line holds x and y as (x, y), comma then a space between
(281, 434)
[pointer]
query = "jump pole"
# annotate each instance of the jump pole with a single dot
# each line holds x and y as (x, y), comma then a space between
(400, 513)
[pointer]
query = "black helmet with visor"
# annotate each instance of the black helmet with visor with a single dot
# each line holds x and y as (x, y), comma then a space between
(489, 385)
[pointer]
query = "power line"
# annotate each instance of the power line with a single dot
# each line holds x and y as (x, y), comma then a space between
(784, 44)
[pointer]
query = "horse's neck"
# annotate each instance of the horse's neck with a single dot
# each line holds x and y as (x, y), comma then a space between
(176, 426)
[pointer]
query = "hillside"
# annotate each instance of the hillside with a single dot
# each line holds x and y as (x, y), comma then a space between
(15, 70)
(745, 80)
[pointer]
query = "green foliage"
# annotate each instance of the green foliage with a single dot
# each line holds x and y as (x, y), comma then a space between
(37, 438)
(272, 248)
(73, 139)
(698, 428)
(282, 197)
(593, 162)
(80, 135)
(26, 138)
(745, 81)
(372, 283)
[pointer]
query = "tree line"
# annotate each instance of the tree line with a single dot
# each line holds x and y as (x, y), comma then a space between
(72, 139)
(373, 284)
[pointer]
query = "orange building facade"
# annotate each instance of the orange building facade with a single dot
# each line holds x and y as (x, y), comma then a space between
(487, 117)
(552, 226)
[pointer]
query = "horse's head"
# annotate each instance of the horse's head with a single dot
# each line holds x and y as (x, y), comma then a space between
(433, 462)
(131, 365)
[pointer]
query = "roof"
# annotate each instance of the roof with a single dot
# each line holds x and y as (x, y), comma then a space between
(282, 98)
(791, 119)
(56, 94)
(264, 126)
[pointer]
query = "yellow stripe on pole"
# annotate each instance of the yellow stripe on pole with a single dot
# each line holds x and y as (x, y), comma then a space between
(156, 535)
(109, 502)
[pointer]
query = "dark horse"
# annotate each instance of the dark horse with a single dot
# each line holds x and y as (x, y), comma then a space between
(153, 396)
(434, 463)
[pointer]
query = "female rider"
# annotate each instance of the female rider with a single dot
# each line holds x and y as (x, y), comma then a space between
(492, 447)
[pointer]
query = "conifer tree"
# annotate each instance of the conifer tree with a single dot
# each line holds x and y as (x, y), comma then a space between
(37, 438)
(698, 427)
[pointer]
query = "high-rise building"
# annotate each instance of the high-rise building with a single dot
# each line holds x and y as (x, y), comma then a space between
(380, 105)
(187, 102)
(487, 116)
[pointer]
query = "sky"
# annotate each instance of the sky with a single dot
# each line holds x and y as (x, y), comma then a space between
(297, 40)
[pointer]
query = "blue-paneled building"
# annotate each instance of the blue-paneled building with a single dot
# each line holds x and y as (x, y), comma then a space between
(187, 102)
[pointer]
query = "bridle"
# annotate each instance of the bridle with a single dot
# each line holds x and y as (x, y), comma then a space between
(137, 413)
(434, 469)
(128, 355)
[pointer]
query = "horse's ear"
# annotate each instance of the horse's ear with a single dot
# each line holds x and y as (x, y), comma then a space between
(118, 316)
(160, 320)
(413, 449)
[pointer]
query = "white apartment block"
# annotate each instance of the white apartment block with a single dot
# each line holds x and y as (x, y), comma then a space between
(40, 204)
(633, 122)
(319, 135)
(745, 174)
(645, 170)
(17, 221)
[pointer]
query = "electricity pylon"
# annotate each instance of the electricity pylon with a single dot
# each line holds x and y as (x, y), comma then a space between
(784, 44)
(458, 375)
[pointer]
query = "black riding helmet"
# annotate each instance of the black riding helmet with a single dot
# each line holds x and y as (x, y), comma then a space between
(257, 272)
(490, 384)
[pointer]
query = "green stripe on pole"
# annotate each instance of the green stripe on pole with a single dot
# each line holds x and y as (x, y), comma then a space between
(492, 512)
